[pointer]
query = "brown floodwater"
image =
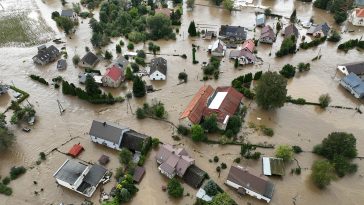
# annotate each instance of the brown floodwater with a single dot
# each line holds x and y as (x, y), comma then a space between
(294, 125)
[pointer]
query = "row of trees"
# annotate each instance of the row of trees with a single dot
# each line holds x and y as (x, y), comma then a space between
(7, 137)
(338, 7)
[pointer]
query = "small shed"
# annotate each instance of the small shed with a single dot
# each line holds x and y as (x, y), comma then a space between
(75, 150)
(61, 64)
(273, 166)
(260, 20)
(138, 174)
(104, 159)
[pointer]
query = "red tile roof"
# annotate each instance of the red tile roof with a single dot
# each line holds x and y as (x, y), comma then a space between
(249, 45)
(194, 110)
(228, 106)
(359, 12)
(114, 73)
(75, 150)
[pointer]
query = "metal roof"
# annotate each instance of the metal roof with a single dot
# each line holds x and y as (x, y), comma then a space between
(107, 131)
(70, 171)
(94, 176)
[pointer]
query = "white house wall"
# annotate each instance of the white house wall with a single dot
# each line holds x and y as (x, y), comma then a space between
(107, 81)
(157, 76)
(105, 143)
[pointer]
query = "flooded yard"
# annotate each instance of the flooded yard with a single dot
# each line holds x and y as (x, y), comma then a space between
(305, 126)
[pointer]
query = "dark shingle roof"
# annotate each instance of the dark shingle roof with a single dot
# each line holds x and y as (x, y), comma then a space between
(158, 64)
(291, 30)
(356, 67)
(194, 176)
(107, 131)
(44, 53)
(70, 171)
(233, 32)
(90, 58)
(96, 173)
(133, 140)
(67, 13)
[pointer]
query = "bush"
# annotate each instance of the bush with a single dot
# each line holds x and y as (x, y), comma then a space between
(125, 156)
(42, 156)
(39, 79)
(288, 47)
(6, 180)
(155, 143)
(303, 67)
(76, 59)
(118, 48)
(334, 37)
(313, 43)
(197, 133)
(296, 149)
(257, 75)
(183, 130)
(223, 166)
(141, 160)
(140, 113)
(322, 173)
(134, 67)
(216, 159)
(130, 46)
(108, 55)
(324, 100)
(237, 160)
(234, 125)
(140, 61)
(285, 152)
(16, 172)
(175, 188)
(182, 76)
(288, 71)
(5, 190)
(210, 124)
(267, 131)
(211, 188)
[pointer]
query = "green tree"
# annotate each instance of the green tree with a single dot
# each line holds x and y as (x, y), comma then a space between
(2, 120)
(236, 63)
(76, 59)
(65, 23)
(129, 74)
(7, 138)
(303, 67)
(175, 188)
(125, 195)
(108, 55)
(293, 16)
(228, 4)
(271, 91)
(322, 173)
(222, 199)
(138, 87)
(192, 29)
(234, 124)
(183, 76)
(268, 12)
(130, 46)
(55, 14)
(92, 88)
(210, 124)
(288, 71)
(125, 156)
(211, 188)
(159, 110)
(160, 26)
(334, 37)
(288, 47)
(285, 152)
(118, 48)
(197, 133)
(324, 100)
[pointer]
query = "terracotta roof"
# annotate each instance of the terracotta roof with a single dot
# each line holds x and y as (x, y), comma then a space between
(248, 180)
(249, 45)
(359, 12)
(195, 108)
(115, 73)
(75, 150)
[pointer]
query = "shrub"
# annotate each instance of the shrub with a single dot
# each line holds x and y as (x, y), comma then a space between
(288, 71)
(6, 180)
(197, 133)
(255, 155)
(296, 149)
(267, 131)
(140, 113)
(237, 160)
(285, 152)
(334, 37)
(16, 172)
(140, 61)
(288, 47)
(210, 124)
(211, 188)
(125, 156)
(216, 159)
(118, 48)
(175, 188)
(130, 46)
(42, 156)
(182, 76)
(155, 143)
(39, 79)
(324, 100)
(223, 166)
(303, 67)
(183, 130)
(257, 75)
(108, 55)
(76, 59)
(5, 190)
(322, 173)
(134, 67)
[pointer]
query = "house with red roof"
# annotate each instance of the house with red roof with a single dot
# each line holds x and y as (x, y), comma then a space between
(113, 76)
(249, 45)
(357, 17)
(223, 102)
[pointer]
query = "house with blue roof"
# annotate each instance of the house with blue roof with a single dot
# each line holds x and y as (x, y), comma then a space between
(260, 20)
(354, 84)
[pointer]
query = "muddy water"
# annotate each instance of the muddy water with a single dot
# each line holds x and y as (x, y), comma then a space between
(295, 125)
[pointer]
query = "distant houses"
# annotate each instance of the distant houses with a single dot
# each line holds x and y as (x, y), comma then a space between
(80, 177)
(354, 84)
(158, 69)
(245, 182)
(223, 102)
(291, 30)
(89, 60)
(46, 55)
(233, 33)
(69, 13)
(318, 31)
(218, 48)
(355, 67)
(273, 166)
(267, 35)
(116, 137)
(173, 161)
(113, 77)
(357, 17)
(245, 55)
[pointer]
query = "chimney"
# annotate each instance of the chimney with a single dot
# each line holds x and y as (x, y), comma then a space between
(104, 124)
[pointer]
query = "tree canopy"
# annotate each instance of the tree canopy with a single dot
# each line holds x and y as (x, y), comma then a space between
(175, 188)
(210, 124)
(285, 152)
(125, 156)
(6, 136)
(271, 91)
(160, 26)
(322, 173)
(197, 133)
(222, 199)
(138, 87)
(192, 29)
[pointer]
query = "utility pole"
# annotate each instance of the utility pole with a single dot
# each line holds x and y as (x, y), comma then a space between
(60, 107)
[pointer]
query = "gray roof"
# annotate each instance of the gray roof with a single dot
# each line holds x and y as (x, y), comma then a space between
(67, 13)
(158, 64)
(321, 27)
(260, 20)
(121, 62)
(44, 53)
(61, 64)
(355, 83)
(233, 32)
(241, 53)
(267, 31)
(133, 140)
(94, 176)
(70, 171)
(244, 178)
(3, 89)
(356, 67)
(107, 131)
(90, 59)
(291, 30)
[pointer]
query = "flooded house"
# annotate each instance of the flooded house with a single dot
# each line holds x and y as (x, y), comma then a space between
(318, 31)
(267, 35)
(158, 69)
(89, 60)
(291, 30)
(208, 35)
(246, 182)
(173, 161)
(121, 61)
(232, 33)
(61, 64)
(355, 67)
(245, 55)
(116, 137)
(222, 102)
(80, 177)
(354, 84)
(46, 55)
(113, 76)
(357, 17)
(218, 48)
(3, 89)
(69, 13)
(260, 20)
(273, 166)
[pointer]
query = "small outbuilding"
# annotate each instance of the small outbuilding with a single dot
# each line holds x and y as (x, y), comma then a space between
(273, 166)
(260, 20)
(89, 60)
(103, 160)
(138, 174)
(61, 64)
(158, 69)
(75, 150)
